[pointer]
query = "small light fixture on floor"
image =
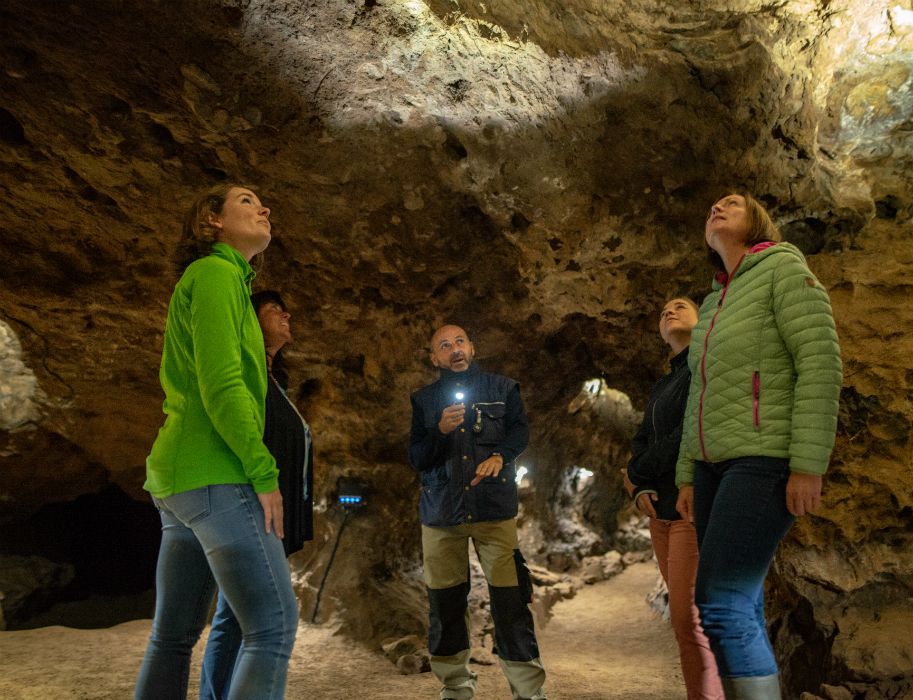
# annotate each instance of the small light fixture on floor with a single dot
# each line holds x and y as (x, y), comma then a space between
(350, 493)
(350, 496)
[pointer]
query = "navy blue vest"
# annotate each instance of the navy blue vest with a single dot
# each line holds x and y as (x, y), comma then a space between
(492, 423)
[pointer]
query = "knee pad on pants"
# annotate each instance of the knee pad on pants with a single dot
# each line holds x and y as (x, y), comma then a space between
(447, 633)
(515, 635)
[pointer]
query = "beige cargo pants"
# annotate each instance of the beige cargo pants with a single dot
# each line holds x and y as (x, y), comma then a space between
(446, 563)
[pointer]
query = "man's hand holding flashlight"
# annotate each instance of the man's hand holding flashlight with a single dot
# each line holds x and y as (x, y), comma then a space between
(451, 418)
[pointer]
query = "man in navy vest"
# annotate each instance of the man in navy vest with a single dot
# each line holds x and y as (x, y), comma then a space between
(467, 429)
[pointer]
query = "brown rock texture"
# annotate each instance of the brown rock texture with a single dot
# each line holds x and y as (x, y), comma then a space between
(535, 171)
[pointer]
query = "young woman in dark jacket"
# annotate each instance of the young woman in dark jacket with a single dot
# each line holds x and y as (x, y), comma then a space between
(651, 474)
(288, 438)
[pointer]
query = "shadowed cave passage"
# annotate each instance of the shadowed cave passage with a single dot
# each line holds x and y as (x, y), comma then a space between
(99, 554)
(535, 173)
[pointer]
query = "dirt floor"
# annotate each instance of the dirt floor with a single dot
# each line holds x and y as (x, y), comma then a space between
(603, 643)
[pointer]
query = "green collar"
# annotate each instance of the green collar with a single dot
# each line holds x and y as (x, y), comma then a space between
(226, 252)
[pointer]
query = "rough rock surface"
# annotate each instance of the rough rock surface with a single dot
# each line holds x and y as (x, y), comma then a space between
(19, 394)
(536, 171)
(24, 581)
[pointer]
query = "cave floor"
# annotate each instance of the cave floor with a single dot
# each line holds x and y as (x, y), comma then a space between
(603, 643)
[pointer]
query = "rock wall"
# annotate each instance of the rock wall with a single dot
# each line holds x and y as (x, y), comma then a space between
(535, 171)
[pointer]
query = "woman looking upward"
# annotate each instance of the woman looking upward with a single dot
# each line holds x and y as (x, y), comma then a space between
(758, 432)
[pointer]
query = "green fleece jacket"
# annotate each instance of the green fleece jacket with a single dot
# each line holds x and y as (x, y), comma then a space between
(765, 367)
(214, 376)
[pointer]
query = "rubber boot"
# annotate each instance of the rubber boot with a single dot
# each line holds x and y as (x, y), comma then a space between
(752, 687)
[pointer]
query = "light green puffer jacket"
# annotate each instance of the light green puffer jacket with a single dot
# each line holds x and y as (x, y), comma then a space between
(765, 367)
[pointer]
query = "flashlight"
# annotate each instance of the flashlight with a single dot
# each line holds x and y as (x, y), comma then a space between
(459, 396)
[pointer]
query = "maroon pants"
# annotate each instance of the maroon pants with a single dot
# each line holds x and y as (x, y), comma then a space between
(675, 545)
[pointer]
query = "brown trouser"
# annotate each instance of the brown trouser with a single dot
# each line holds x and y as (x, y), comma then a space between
(446, 562)
(675, 546)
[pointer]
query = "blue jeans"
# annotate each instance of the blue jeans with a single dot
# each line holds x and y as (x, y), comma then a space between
(740, 515)
(214, 536)
(222, 648)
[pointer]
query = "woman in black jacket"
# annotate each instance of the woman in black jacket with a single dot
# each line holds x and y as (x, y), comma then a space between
(651, 474)
(288, 438)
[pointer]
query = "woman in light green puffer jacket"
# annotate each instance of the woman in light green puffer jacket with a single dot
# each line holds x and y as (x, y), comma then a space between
(758, 430)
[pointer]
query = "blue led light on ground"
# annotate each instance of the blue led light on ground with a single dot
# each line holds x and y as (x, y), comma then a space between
(350, 493)
(349, 496)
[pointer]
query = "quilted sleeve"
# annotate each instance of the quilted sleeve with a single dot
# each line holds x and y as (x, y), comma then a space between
(805, 322)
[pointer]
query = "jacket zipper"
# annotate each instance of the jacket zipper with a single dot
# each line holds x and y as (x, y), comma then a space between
(756, 398)
(700, 404)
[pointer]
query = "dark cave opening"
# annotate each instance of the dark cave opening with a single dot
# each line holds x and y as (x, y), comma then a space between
(109, 544)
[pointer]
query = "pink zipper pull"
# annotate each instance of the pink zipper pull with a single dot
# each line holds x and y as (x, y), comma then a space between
(756, 398)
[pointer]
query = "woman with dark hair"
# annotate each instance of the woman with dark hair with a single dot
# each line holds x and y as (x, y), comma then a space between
(214, 482)
(288, 438)
(651, 479)
(758, 432)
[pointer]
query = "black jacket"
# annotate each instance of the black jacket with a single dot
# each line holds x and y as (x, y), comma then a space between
(494, 422)
(654, 450)
(290, 443)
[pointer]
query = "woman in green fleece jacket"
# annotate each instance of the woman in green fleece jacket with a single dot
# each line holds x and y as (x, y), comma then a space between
(758, 431)
(211, 477)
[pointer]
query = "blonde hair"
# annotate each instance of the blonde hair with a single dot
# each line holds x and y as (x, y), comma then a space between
(688, 300)
(760, 226)
(197, 235)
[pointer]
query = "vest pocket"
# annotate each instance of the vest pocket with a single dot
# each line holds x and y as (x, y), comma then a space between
(496, 498)
(488, 422)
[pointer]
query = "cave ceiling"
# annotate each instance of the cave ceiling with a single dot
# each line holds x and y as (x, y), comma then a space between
(535, 171)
